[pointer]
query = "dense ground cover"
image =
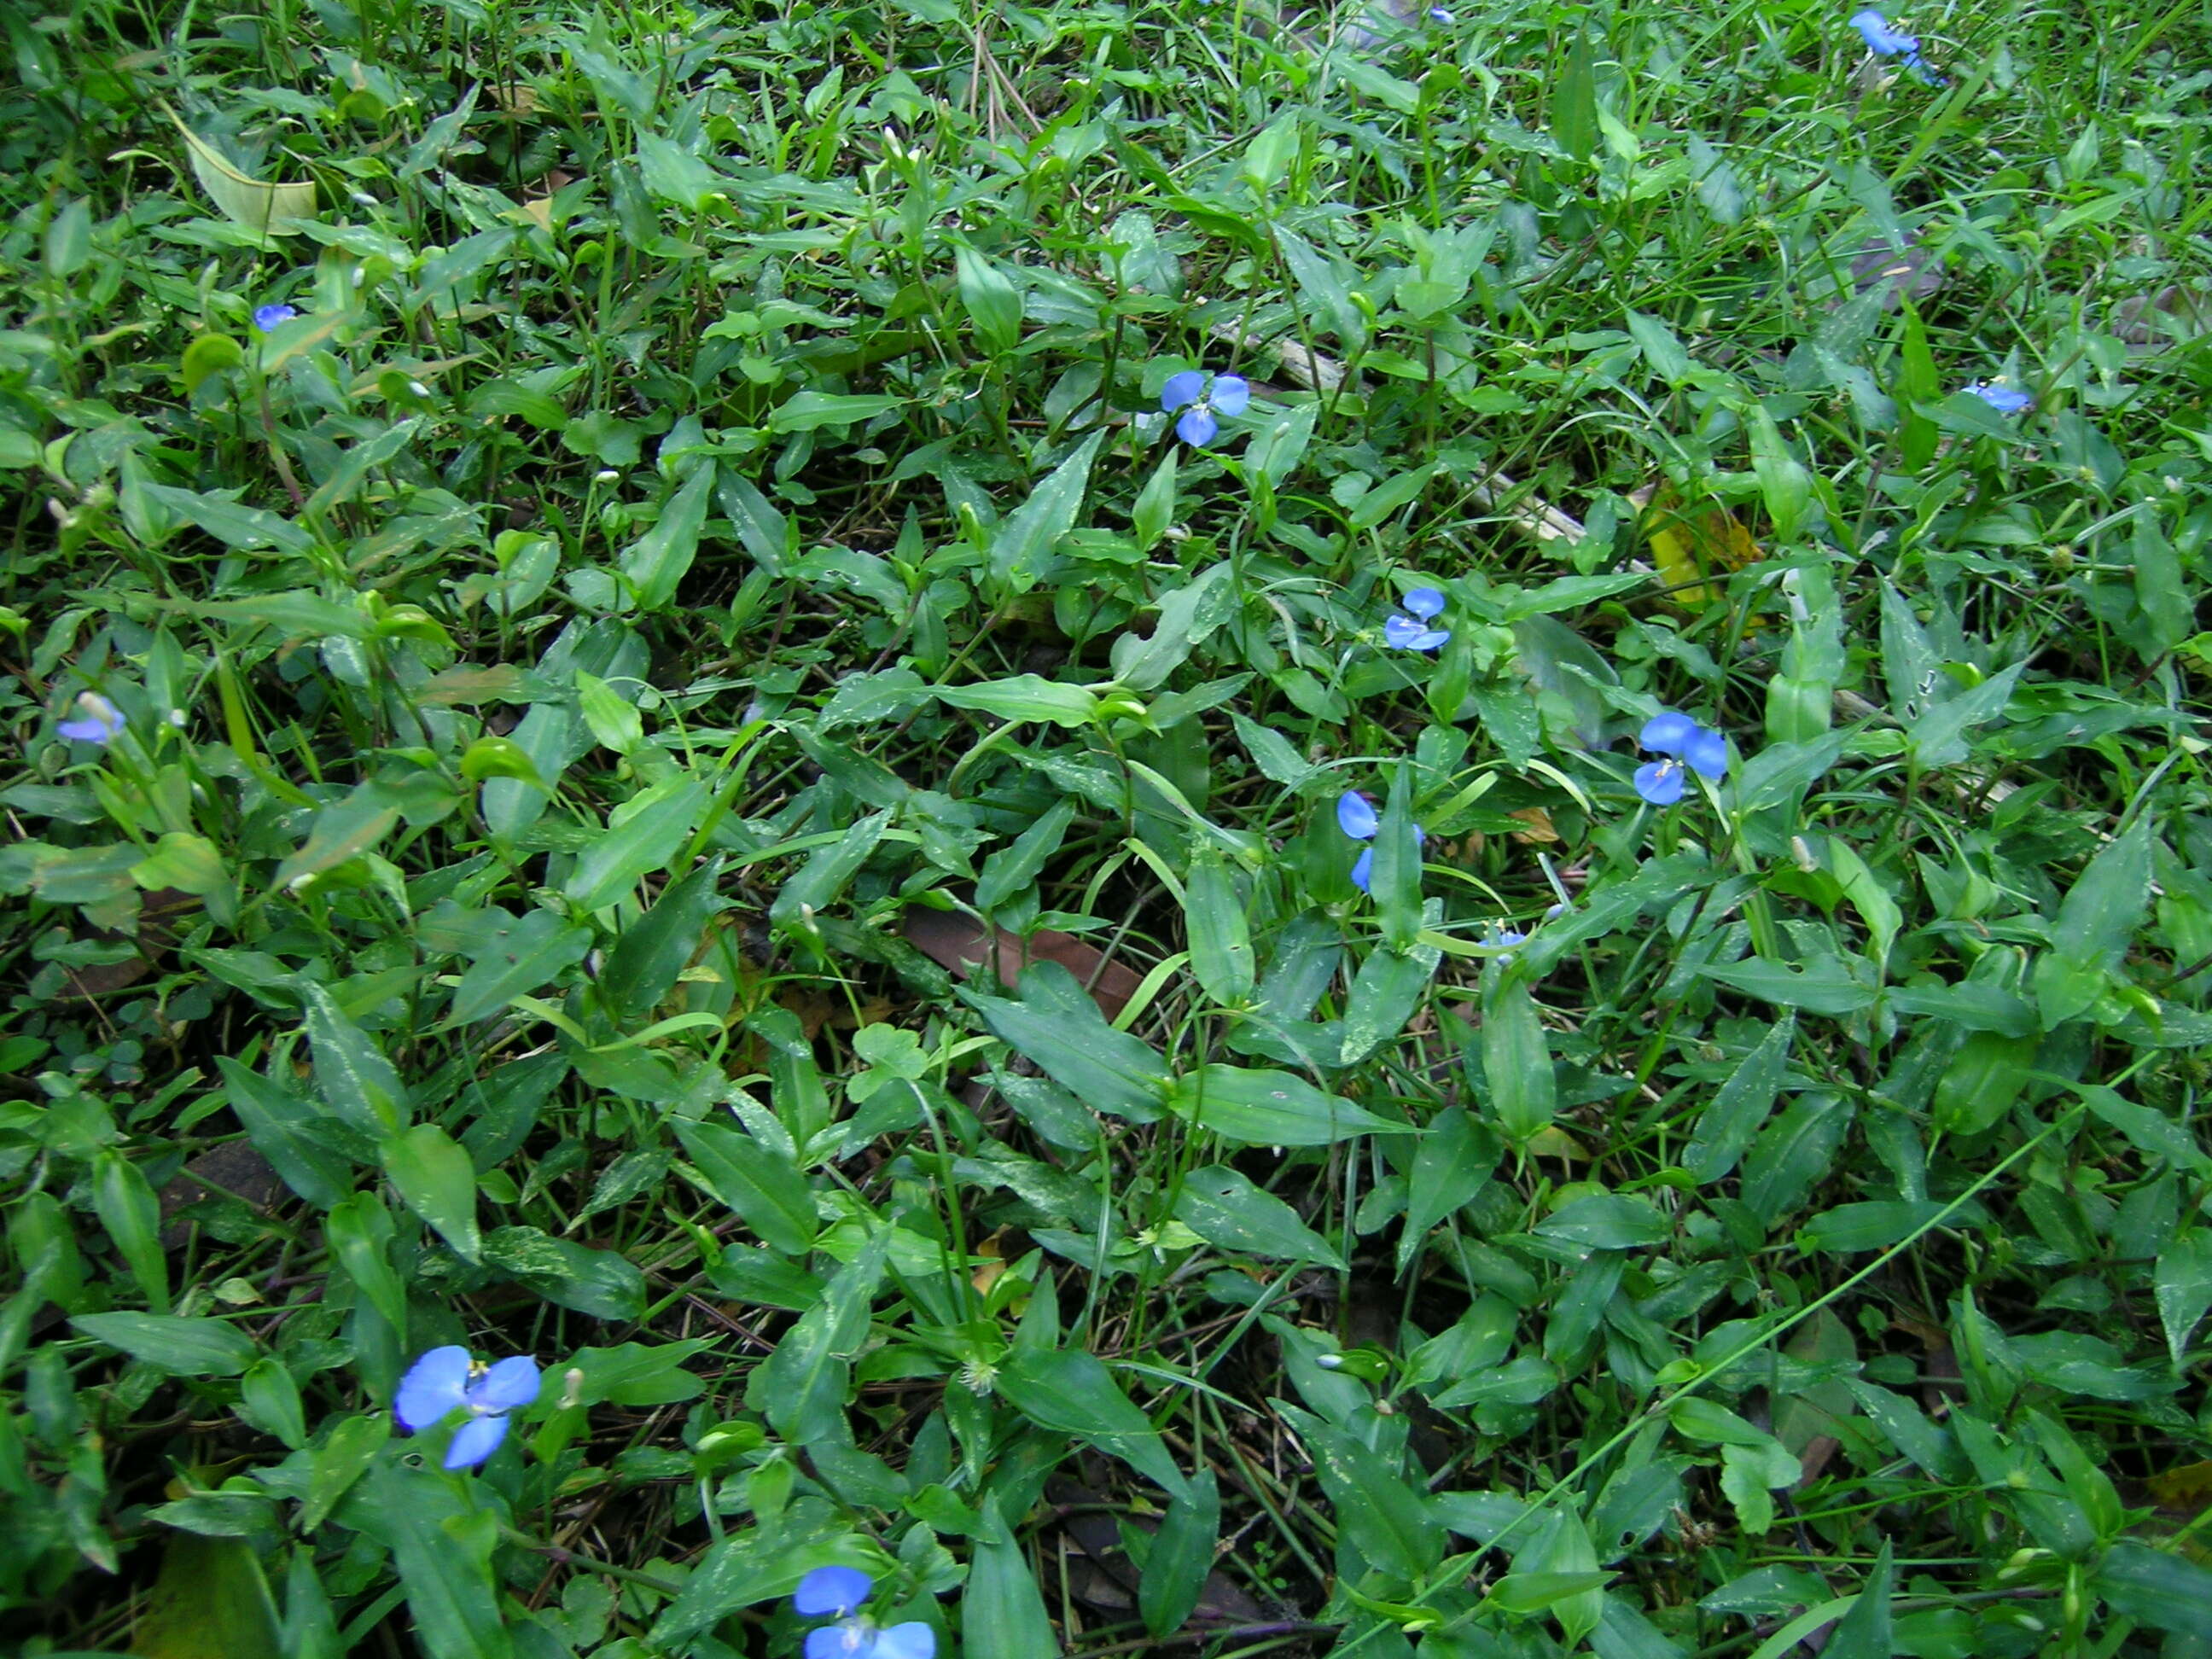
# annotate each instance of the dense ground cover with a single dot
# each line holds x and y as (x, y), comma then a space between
(1385, 837)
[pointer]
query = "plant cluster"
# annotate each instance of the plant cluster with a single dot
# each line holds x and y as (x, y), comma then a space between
(1112, 826)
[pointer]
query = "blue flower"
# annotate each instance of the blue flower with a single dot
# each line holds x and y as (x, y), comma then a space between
(840, 1591)
(1355, 816)
(2005, 399)
(1190, 393)
(1413, 633)
(1884, 41)
(1688, 747)
(98, 721)
(268, 318)
(447, 1379)
(1442, 15)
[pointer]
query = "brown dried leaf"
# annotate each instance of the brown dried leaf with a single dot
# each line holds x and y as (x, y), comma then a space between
(955, 942)
(1540, 831)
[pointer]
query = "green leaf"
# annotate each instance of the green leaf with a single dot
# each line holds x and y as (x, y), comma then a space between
(1072, 1392)
(441, 1544)
(2149, 1131)
(342, 830)
(1010, 871)
(1002, 1614)
(1609, 1221)
(657, 563)
(758, 1183)
(642, 837)
(1907, 1428)
(1386, 1520)
(1792, 1154)
(1270, 1109)
(210, 1601)
(357, 1082)
(1521, 1381)
(207, 356)
(132, 1216)
(1219, 934)
(800, 1387)
(2183, 1285)
(1227, 1211)
(182, 1347)
(1391, 496)
(514, 963)
(2094, 925)
(1865, 1632)
(1452, 1162)
(2156, 1587)
(599, 1282)
(1181, 1557)
(270, 1399)
(1022, 551)
(643, 967)
(1058, 1025)
(360, 1234)
(1825, 985)
(810, 410)
(823, 879)
(1740, 1105)
(1187, 614)
(1938, 738)
(1385, 992)
(433, 1178)
(733, 1573)
(346, 1449)
(1873, 1224)
(1026, 697)
(1574, 101)
(994, 303)
(1561, 1560)
(1154, 510)
(281, 1127)
(1516, 1061)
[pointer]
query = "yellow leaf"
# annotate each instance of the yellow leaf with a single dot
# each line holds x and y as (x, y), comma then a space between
(1689, 544)
(258, 207)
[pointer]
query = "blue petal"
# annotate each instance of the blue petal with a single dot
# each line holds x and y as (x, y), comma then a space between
(476, 1440)
(1407, 634)
(1181, 389)
(832, 1590)
(510, 1383)
(1197, 426)
(848, 1638)
(268, 318)
(98, 721)
(1661, 782)
(1355, 816)
(1425, 601)
(1231, 393)
(1442, 15)
(1667, 732)
(912, 1640)
(434, 1385)
(1707, 754)
(2005, 399)
(1873, 28)
(1362, 869)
